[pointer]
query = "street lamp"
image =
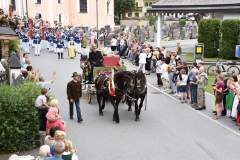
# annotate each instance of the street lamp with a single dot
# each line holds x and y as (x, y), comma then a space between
(97, 19)
(27, 9)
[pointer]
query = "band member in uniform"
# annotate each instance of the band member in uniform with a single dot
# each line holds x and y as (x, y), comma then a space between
(37, 45)
(78, 44)
(55, 41)
(60, 46)
(25, 44)
(50, 42)
(64, 38)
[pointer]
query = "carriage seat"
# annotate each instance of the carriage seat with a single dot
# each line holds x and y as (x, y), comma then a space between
(111, 61)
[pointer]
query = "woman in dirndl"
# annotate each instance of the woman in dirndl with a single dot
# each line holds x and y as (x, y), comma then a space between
(71, 49)
(230, 96)
(236, 98)
(219, 89)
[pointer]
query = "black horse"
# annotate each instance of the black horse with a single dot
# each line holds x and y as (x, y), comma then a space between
(102, 92)
(138, 93)
(133, 86)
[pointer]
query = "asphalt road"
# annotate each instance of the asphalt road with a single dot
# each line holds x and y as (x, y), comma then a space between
(168, 130)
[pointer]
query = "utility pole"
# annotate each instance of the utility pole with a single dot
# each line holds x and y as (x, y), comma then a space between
(97, 19)
(22, 9)
(26, 8)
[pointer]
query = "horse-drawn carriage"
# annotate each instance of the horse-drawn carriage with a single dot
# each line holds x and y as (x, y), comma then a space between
(113, 82)
(110, 64)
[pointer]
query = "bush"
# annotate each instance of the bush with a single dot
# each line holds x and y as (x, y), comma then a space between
(230, 37)
(209, 34)
(18, 118)
(14, 46)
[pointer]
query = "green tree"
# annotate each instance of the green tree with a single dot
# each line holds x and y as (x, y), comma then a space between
(209, 34)
(121, 7)
(182, 23)
(152, 20)
(230, 38)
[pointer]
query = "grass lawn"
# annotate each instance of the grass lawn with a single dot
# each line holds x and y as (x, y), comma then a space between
(209, 88)
(190, 57)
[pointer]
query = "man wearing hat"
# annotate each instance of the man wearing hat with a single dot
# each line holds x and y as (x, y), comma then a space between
(74, 93)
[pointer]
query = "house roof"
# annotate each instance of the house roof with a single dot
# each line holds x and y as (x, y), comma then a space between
(196, 6)
(196, 3)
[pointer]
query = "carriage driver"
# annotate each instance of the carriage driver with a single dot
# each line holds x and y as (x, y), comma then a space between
(95, 59)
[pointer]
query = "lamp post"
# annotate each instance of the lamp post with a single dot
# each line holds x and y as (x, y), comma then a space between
(97, 19)
(27, 9)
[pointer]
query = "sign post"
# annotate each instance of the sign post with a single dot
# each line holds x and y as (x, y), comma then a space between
(237, 55)
(199, 52)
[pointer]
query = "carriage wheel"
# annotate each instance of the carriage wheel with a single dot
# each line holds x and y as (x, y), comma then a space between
(89, 98)
(233, 70)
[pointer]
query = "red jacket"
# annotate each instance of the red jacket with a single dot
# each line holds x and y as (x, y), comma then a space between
(57, 123)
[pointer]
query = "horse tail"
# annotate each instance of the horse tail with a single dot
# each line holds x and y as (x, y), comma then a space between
(146, 101)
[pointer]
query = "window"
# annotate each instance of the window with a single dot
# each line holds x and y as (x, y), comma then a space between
(136, 14)
(83, 6)
(60, 1)
(60, 18)
(146, 4)
(13, 3)
(136, 4)
(37, 1)
(130, 14)
(150, 4)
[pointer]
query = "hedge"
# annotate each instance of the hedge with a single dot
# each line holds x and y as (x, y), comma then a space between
(230, 30)
(209, 34)
(18, 118)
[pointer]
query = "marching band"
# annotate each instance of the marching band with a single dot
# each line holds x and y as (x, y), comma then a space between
(57, 40)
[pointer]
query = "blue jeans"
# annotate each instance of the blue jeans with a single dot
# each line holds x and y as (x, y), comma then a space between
(77, 104)
(193, 90)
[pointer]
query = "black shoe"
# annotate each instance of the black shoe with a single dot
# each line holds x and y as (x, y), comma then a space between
(80, 121)
(71, 118)
(201, 108)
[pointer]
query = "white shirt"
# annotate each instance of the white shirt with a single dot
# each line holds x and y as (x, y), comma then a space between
(114, 42)
(183, 82)
(142, 58)
(122, 42)
(40, 101)
(159, 67)
(165, 71)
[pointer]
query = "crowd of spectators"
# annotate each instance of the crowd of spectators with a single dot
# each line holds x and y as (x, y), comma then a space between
(184, 81)
(54, 143)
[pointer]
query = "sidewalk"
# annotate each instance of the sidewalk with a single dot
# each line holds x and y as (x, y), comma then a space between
(224, 122)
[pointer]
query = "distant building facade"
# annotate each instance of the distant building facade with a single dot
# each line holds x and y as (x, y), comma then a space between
(67, 12)
(141, 7)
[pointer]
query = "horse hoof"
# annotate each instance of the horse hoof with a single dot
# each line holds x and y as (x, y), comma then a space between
(100, 114)
(137, 119)
(129, 109)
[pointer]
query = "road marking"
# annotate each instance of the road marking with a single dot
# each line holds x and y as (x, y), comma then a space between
(198, 112)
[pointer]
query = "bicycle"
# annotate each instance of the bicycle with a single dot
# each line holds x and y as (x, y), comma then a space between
(231, 69)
